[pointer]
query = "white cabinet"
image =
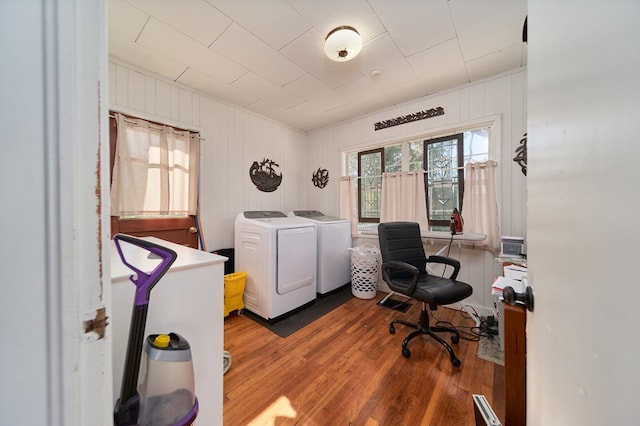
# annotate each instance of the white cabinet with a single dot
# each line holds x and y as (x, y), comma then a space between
(188, 300)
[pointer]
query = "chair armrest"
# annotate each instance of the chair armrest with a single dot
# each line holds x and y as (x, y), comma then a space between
(395, 266)
(447, 261)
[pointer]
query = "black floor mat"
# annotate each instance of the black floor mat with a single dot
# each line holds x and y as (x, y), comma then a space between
(396, 305)
(294, 322)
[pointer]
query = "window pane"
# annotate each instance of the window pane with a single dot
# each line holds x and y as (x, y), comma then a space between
(393, 158)
(443, 177)
(476, 146)
(352, 164)
(371, 168)
(416, 155)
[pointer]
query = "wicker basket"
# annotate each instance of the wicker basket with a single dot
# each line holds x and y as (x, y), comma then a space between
(365, 264)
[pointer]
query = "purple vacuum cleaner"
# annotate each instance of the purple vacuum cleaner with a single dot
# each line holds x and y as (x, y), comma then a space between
(161, 363)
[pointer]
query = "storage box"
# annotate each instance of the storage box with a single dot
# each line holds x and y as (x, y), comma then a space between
(234, 291)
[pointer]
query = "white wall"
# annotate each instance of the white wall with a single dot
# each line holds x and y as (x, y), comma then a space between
(234, 138)
(501, 99)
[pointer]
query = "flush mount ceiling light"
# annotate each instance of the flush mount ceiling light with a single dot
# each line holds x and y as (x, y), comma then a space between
(342, 44)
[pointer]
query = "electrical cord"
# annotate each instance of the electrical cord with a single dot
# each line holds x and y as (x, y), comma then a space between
(448, 251)
(471, 333)
(450, 242)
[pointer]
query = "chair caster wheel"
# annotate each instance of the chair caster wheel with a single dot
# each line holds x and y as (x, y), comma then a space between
(455, 362)
(407, 353)
(392, 329)
(455, 339)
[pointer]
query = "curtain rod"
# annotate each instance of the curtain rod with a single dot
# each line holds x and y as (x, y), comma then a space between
(489, 163)
(151, 126)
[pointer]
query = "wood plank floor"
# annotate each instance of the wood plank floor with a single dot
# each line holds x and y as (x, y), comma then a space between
(347, 369)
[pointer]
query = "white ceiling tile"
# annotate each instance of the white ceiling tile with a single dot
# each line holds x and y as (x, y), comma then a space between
(371, 94)
(271, 51)
(273, 21)
(316, 93)
(265, 90)
(195, 78)
(167, 40)
(326, 15)
(415, 25)
(439, 67)
(306, 114)
(133, 53)
(125, 21)
(381, 54)
(195, 18)
(487, 26)
(246, 49)
(495, 63)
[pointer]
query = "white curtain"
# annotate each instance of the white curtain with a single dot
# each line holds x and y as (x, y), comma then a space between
(155, 170)
(479, 203)
(349, 202)
(403, 198)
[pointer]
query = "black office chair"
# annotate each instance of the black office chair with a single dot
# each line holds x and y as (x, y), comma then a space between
(404, 269)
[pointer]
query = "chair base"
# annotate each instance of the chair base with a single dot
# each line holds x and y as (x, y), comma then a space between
(422, 327)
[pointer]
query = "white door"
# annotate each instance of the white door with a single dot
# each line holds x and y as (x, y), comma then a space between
(583, 209)
(296, 259)
(56, 359)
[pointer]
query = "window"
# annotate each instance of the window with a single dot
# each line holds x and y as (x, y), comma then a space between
(443, 160)
(444, 177)
(370, 169)
(154, 171)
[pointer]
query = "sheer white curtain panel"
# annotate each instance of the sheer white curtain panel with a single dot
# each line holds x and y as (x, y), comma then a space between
(348, 202)
(155, 170)
(403, 198)
(479, 203)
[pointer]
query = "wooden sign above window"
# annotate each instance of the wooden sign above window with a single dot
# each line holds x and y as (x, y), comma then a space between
(421, 115)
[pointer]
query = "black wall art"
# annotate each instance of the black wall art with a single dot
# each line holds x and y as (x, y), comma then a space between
(521, 155)
(320, 178)
(264, 176)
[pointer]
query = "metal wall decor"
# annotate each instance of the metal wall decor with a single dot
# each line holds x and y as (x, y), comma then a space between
(320, 178)
(521, 155)
(421, 115)
(264, 176)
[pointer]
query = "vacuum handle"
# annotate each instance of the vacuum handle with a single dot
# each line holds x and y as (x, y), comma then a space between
(144, 282)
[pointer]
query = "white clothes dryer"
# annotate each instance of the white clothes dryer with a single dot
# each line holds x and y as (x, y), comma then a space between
(278, 253)
(334, 257)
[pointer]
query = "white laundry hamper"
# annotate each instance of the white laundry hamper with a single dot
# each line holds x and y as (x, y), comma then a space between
(365, 264)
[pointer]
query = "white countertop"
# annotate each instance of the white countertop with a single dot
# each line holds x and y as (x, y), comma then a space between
(139, 257)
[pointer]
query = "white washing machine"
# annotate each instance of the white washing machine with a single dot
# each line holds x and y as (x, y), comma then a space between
(334, 257)
(278, 253)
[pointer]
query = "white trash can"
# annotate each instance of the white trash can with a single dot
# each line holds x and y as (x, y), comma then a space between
(365, 264)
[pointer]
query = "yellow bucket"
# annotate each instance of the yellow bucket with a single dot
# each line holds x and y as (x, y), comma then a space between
(233, 291)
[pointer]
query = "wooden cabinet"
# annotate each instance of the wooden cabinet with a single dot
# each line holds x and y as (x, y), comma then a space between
(187, 300)
(515, 365)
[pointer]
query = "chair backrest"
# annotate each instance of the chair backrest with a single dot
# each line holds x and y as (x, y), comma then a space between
(401, 241)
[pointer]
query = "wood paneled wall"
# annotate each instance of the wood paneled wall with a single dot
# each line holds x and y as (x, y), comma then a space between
(500, 100)
(233, 138)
